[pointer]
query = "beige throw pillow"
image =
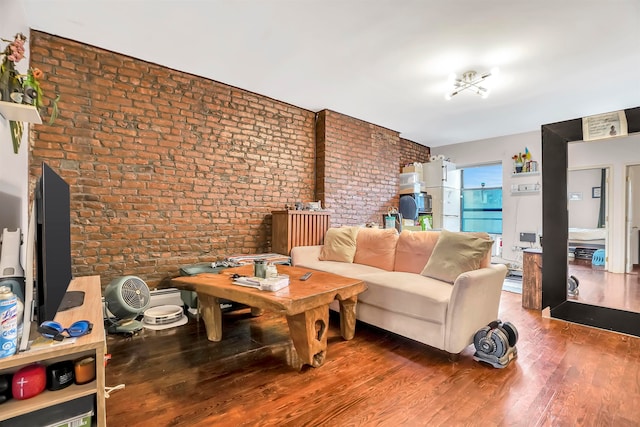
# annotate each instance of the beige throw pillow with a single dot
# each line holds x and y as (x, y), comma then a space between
(454, 254)
(339, 244)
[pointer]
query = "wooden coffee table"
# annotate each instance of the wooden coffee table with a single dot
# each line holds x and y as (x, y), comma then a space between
(304, 303)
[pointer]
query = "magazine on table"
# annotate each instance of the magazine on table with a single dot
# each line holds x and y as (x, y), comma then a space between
(268, 284)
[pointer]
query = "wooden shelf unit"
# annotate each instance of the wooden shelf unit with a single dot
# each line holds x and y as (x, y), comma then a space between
(297, 228)
(532, 279)
(93, 345)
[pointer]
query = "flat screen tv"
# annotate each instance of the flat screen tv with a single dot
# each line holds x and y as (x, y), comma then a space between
(53, 246)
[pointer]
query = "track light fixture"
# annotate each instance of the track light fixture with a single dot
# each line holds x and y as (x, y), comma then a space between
(470, 80)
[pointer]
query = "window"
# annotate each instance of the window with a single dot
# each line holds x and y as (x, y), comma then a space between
(482, 199)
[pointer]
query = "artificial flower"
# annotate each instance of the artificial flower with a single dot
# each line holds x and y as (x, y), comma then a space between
(21, 88)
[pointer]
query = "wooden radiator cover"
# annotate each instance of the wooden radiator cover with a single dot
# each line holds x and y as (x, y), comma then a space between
(297, 228)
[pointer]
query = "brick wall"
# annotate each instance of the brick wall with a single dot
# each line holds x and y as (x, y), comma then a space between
(167, 168)
(358, 169)
(413, 152)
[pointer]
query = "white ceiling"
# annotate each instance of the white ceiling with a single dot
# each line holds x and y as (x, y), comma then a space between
(384, 61)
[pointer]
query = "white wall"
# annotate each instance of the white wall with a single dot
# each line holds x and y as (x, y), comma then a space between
(634, 178)
(584, 213)
(14, 173)
(617, 154)
(521, 212)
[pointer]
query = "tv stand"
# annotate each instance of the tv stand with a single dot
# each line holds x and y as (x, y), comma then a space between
(71, 300)
(90, 345)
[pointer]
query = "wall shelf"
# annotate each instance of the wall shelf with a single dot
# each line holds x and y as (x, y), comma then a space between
(525, 173)
(20, 112)
(525, 191)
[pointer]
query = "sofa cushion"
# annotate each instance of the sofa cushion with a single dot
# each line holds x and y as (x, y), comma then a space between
(414, 249)
(346, 269)
(339, 244)
(456, 253)
(408, 294)
(376, 247)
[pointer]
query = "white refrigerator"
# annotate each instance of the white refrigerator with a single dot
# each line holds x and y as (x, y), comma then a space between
(442, 182)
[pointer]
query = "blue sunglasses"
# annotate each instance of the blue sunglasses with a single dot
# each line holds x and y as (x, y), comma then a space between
(55, 331)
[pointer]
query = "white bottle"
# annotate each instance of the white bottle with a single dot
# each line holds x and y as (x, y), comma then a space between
(8, 322)
(272, 271)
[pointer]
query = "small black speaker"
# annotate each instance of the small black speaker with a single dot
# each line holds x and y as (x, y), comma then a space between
(5, 387)
(60, 375)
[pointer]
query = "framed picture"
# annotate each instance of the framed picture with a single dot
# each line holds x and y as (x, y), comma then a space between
(595, 192)
(606, 125)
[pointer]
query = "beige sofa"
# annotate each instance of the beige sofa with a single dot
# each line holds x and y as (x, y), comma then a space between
(434, 287)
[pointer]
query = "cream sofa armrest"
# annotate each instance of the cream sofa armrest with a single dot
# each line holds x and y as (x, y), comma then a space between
(474, 303)
(305, 254)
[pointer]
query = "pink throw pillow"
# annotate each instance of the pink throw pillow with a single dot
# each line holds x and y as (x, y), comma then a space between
(376, 247)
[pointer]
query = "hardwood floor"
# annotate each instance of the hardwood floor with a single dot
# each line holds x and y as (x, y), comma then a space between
(565, 375)
(600, 287)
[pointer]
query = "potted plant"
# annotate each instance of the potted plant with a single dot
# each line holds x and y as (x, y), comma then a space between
(519, 162)
(21, 88)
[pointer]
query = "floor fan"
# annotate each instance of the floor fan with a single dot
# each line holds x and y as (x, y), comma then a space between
(126, 298)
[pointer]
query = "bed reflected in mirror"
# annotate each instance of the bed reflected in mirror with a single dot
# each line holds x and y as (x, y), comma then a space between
(587, 235)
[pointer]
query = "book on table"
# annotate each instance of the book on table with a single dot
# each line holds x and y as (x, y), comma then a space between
(268, 284)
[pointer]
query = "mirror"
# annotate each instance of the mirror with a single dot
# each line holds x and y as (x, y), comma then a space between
(558, 140)
(599, 238)
(588, 259)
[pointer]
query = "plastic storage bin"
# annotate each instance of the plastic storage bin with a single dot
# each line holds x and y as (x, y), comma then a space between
(410, 188)
(415, 167)
(83, 420)
(409, 178)
(73, 413)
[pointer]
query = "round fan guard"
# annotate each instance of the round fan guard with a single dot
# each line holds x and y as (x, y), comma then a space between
(127, 297)
(135, 293)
